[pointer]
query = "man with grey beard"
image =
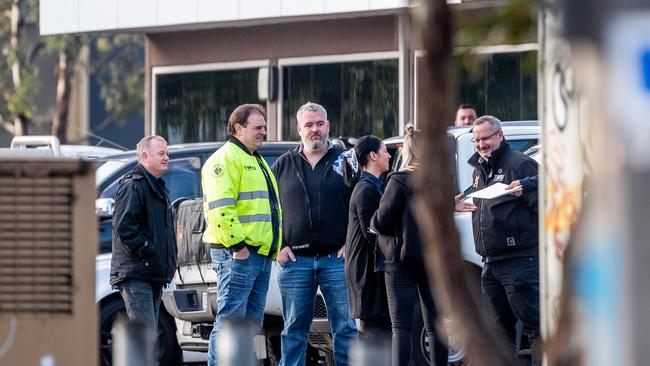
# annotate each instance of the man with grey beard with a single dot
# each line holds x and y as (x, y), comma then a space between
(315, 203)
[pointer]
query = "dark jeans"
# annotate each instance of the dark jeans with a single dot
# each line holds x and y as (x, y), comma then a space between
(511, 292)
(403, 289)
(142, 301)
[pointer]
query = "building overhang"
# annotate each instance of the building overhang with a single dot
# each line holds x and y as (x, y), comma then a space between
(153, 16)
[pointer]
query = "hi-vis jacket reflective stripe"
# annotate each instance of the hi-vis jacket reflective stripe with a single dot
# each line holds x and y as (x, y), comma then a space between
(236, 200)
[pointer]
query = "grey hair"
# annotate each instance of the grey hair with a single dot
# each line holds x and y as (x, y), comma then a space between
(495, 123)
(145, 144)
(310, 107)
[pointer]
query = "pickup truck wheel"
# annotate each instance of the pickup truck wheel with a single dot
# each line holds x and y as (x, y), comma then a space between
(420, 342)
(169, 352)
(108, 313)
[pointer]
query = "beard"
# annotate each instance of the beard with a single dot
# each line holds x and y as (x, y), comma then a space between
(316, 144)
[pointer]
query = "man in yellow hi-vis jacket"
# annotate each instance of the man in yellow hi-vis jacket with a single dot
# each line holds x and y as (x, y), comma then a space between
(243, 215)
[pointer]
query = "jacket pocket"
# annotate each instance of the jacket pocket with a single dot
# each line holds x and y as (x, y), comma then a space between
(390, 247)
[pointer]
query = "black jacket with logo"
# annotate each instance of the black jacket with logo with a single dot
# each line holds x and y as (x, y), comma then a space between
(327, 234)
(506, 226)
(144, 240)
(399, 239)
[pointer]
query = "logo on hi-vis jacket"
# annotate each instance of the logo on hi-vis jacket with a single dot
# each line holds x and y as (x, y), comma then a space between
(250, 168)
(218, 170)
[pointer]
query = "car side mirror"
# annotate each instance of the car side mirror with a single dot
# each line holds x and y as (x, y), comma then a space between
(104, 207)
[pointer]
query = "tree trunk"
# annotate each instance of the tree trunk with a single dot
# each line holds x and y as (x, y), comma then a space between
(65, 70)
(21, 124)
(434, 202)
(20, 121)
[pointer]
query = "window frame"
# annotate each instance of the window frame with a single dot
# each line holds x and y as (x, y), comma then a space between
(114, 179)
(186, 69)
(478, 51)
(327, 59)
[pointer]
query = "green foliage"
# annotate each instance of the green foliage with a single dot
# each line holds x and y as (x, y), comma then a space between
(117, 63)
(515, 21)
(19, 102)
(16, 93)
(512, 22)
(120, 73)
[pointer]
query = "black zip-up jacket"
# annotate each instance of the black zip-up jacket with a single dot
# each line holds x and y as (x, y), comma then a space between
(144, 240)
(399, 239)
(506, 226)
(327, 234)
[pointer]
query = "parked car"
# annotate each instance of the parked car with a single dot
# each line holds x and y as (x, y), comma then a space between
(183, 179)
(521, 136)
(50, 145)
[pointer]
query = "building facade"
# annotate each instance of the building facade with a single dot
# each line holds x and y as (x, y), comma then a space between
(360, 59)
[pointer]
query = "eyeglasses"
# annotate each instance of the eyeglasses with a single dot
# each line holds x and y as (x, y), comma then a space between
(480, 139)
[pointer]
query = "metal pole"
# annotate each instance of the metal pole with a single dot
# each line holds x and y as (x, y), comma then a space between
(235, 344)
(132, 343)
(369, 352)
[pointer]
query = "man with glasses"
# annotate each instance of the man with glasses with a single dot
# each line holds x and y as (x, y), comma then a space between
(506, 232)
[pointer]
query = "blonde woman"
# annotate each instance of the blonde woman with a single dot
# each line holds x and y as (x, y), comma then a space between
(405, 276)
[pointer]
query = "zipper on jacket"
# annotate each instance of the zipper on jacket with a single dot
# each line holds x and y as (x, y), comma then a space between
(328, 163)
(480, 214)
(297, 170)
(274, 206)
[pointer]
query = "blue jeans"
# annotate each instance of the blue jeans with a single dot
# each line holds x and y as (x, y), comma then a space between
(241, 291)
(299, 281)
(510, 290)
(142, 301)
(404, 289)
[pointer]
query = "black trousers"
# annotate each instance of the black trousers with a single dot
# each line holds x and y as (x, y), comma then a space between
(403, 289)
(510, 290)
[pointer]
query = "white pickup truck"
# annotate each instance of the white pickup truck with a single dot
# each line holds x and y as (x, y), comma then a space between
(192, 298)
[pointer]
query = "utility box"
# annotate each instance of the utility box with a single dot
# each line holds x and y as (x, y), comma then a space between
(48, 236)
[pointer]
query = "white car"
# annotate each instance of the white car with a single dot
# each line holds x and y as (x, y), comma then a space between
(49, 145)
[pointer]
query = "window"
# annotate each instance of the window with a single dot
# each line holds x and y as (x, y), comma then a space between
(523, 145)
(501, 84)
(360, 97)
(195, 106)
(183, 179)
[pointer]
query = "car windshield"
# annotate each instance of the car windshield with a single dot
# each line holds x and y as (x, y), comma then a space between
(107, 169)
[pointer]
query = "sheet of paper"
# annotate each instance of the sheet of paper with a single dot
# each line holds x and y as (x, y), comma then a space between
(493, 191)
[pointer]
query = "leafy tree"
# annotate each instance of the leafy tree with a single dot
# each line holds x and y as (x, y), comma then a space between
(18, 76)
(117, 65)
(120, 73)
